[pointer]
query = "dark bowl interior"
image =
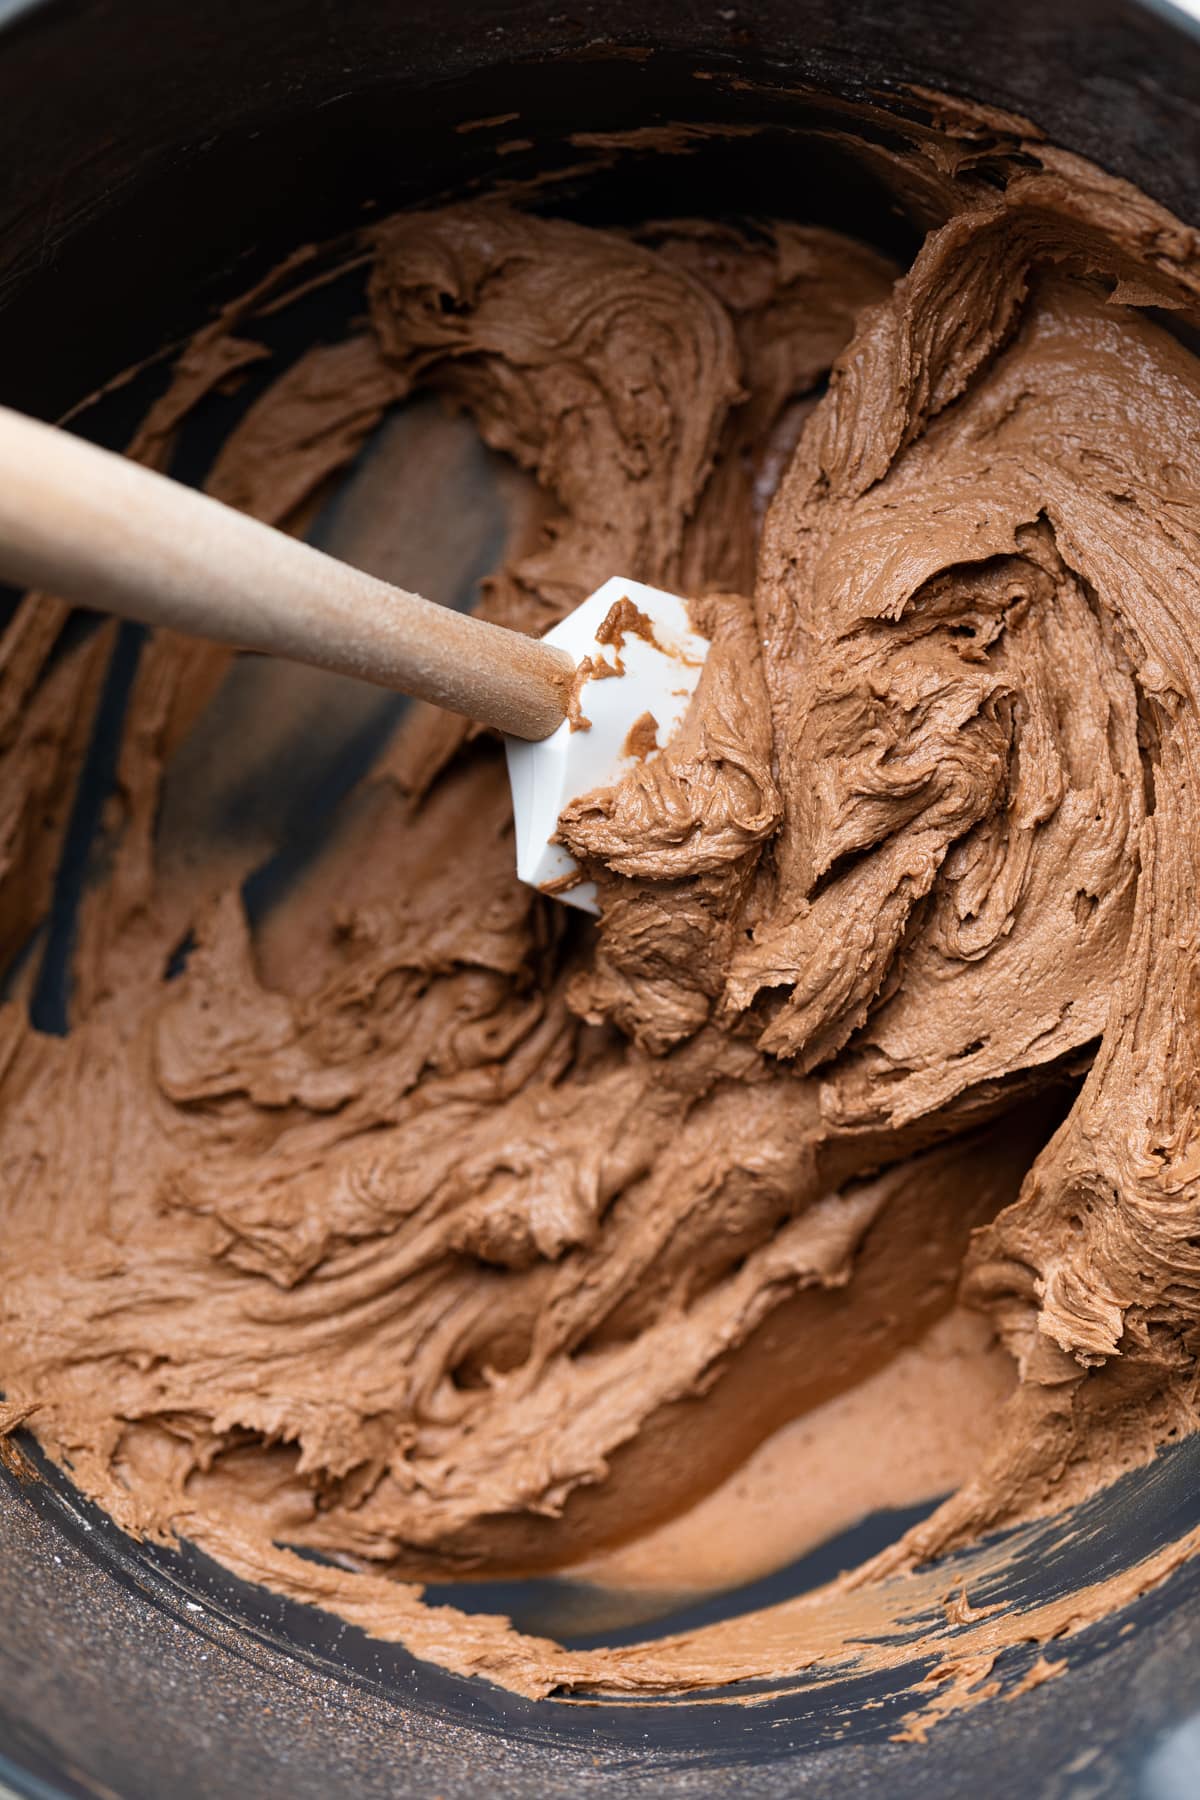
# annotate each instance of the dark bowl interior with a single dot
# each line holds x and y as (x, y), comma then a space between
(153, 160)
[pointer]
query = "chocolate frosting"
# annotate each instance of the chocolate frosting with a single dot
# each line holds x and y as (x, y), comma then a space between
(432, 1231)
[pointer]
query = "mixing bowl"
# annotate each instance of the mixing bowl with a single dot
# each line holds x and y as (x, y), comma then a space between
(153, 160)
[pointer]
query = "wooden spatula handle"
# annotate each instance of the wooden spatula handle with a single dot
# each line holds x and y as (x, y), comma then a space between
(101, 531)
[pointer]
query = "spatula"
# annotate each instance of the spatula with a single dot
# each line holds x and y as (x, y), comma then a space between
(103, 532)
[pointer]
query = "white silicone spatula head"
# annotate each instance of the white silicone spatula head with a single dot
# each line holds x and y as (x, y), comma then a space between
(638, 660)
